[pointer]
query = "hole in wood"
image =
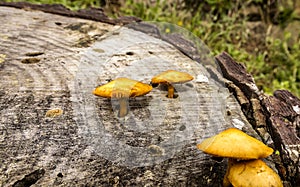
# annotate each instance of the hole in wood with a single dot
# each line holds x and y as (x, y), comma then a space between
(182, 127)
(30, 60)
(60, 175)
(129, 53)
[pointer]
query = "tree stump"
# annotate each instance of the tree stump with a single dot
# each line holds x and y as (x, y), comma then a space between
(54, 132)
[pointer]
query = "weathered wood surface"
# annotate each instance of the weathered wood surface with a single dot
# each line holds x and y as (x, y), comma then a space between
(278, 115)
(50, 61)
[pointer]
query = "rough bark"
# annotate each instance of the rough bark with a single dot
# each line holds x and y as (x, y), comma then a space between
(278, 115)
(50, 63)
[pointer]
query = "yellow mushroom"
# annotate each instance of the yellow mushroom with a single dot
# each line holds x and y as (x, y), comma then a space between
(252, 173)
(234, 143)
(122, 89)
(170, 77)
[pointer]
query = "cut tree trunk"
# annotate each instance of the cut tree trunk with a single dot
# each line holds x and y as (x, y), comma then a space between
(54, 132)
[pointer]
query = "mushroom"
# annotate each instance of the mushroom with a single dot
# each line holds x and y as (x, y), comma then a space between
(122, 89)
(235, 145)
(252, 173)
(170, 77)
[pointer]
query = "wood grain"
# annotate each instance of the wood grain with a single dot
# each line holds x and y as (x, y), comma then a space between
(53, 61)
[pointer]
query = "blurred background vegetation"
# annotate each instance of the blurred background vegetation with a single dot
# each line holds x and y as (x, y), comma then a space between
(262, 34)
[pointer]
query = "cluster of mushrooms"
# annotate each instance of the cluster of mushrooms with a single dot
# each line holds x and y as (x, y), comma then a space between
(124, 88)
(244, 153)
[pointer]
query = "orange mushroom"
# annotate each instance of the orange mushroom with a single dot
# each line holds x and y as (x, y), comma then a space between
(252, 173)
(170, 77)
(122, 89)
(234, 143)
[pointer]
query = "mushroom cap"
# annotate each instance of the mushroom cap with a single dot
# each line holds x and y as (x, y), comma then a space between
(234, 143)
(172, 76)
(252, 173)
(122, 87)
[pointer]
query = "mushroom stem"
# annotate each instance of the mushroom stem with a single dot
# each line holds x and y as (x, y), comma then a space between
(123, 110)
(170, 91)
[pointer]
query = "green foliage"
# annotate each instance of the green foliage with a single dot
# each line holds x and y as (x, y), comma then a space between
(158, 11)
(220, 25)
(223, 26)
(73, 4)
(284, 69)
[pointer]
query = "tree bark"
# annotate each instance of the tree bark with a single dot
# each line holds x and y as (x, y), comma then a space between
(51, 62)
(278, 115)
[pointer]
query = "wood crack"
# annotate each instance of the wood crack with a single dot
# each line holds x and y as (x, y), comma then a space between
(278, 115)
(30, 179)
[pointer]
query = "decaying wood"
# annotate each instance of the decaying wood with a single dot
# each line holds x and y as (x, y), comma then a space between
(95, 14)
(278, 115)
(52, 62)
